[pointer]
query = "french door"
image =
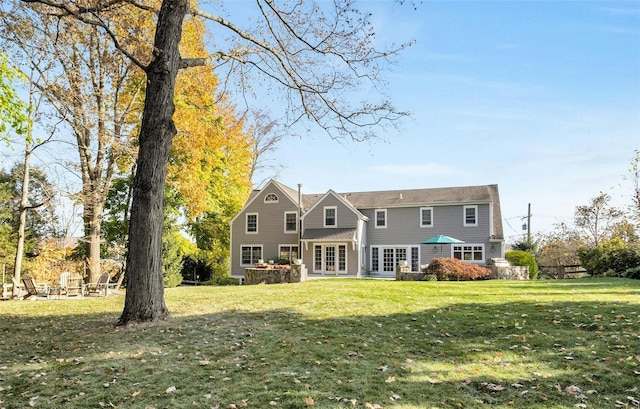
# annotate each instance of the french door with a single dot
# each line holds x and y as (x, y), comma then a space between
(330, 259)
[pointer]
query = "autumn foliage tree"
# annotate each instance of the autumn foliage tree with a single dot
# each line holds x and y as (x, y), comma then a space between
(319, 57)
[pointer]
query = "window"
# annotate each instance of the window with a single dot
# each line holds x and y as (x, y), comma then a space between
(288, 252)
(342, 258)
(375, 260)
(470, 216)
(473, 253)
(250, 255)
(317, 258)
(415, 259)
(330, 216)
(271, 198)
(290, 222)
(381, 219)
(426, 217)
(252, 222)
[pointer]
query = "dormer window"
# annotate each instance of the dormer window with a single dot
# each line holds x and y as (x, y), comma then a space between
(271, 198)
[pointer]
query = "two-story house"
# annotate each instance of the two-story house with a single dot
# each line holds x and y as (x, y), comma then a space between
(365, 234)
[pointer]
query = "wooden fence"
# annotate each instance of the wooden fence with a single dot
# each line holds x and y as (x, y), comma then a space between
(561, 272)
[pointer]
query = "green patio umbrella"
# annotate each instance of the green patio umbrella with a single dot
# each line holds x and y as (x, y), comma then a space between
(442, 239)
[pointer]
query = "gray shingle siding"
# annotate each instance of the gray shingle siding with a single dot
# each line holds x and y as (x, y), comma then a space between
(271, 226)
(357, 210)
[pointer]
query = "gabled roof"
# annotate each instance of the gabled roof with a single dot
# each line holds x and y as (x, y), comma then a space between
(291, 194)
(341, 199)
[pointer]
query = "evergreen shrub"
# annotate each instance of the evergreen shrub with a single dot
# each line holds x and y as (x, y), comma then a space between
(633, 273)
(525, 259)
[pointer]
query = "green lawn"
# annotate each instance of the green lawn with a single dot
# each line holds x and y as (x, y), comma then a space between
(334, 344)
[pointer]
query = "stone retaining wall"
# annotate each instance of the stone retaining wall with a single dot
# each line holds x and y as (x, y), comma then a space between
(404, 273)
(509, 273)
(295, 274)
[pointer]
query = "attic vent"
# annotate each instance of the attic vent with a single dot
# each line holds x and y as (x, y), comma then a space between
(400, 196)
(271, 198)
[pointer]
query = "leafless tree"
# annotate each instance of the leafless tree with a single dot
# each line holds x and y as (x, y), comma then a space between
(598, 218)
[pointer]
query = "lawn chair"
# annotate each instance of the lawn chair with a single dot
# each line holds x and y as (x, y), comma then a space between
(116, 286)
(71, 284)
(101, 286)
(32, 289)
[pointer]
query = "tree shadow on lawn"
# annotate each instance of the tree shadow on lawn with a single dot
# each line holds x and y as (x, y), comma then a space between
(465, 355)
(590, 286)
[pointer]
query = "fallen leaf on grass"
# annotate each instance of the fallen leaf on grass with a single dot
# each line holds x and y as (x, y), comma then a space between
(572, 390)
(309, 401)
(170, 389)
(492, 386)
(390, 379)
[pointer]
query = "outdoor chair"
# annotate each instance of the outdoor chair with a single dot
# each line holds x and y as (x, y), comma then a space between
(71, 284)
(32, 289)
(116, 286)
(100, 287)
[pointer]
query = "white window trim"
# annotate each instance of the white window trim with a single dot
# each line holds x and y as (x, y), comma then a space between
(375, 223)
(464, 216)
(484, 252)
(246, 227)
(280, 246)
(324, 219)
(315, 269)
(271, 195)
(422, 225)
(252, 246)
(285, 223)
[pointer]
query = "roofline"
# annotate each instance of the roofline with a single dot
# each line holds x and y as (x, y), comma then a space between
(427, 204)
(341, 199)
(277, 184)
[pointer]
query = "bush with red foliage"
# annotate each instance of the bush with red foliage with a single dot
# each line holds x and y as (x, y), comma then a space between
(453, 269)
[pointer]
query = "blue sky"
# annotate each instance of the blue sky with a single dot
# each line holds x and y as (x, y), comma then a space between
(541, 98)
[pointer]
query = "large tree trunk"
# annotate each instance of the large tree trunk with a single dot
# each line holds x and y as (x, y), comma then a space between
(145, 292)
(93, 224)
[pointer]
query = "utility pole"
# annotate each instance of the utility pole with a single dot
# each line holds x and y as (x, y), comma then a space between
(529, 224)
